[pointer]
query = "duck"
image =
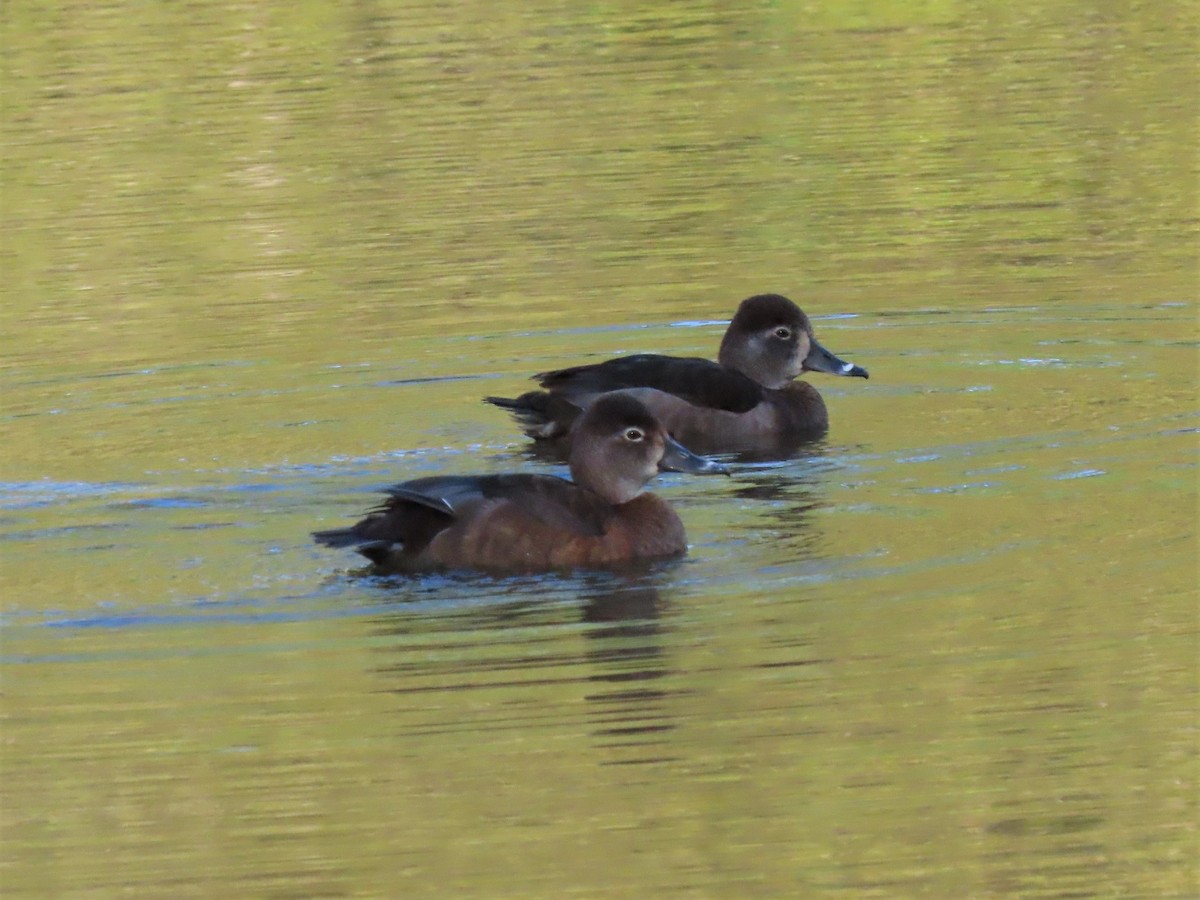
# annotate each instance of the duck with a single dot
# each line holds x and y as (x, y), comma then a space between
(747, 402)
(529, 522)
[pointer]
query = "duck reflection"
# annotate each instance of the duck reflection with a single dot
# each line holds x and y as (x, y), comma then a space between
(630, 705)
(785, 501)
(517, 663)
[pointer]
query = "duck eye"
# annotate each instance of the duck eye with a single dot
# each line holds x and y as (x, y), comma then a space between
(634, 434)
(783, 332)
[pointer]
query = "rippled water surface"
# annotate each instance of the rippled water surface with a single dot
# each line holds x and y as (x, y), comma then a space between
(262, 260)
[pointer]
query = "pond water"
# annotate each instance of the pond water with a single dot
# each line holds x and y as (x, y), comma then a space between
(263, 260)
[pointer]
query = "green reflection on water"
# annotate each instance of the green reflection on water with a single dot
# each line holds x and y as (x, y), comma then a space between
(950, 652)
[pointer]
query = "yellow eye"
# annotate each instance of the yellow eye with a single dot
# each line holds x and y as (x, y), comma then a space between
(783, 332)
(634, 434)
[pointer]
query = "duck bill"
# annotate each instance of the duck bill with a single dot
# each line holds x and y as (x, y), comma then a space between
(678, 458)
(821, 360)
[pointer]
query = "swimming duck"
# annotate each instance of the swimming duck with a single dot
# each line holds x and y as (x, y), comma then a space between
(747, 401)
(529, 522)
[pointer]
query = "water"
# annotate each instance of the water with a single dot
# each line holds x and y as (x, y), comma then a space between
(262, 263)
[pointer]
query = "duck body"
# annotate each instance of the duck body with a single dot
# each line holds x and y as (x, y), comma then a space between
(513, 522)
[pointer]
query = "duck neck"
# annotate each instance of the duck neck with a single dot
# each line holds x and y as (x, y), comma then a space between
(614, 491)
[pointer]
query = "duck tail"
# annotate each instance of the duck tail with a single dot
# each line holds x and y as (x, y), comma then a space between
(338, 537)
(541, 415)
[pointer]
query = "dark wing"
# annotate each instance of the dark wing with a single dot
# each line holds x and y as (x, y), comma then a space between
(701, 382)
(446, 494)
